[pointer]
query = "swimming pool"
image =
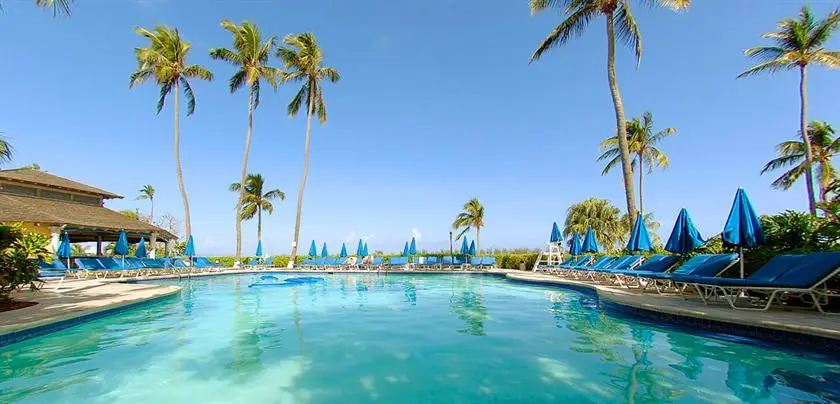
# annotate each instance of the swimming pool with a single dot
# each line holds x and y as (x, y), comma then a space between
(393, 338)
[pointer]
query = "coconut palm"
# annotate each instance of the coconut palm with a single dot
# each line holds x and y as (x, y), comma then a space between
(302, 58)
(604, 218)
(250, 56)
(642, 143)
(165, 63)
(59, 7)
(255, 200)
(77, 251)
(7, 152)
(824, 146)
(471, 217)
(799, 43)
(618, 16)
(148, 192)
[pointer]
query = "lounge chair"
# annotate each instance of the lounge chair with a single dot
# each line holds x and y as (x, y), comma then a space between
(587, 270)
(378, 263)
(782, 278)
(565, 268)
(475, 262)
(549, 268)
(268, 262)
(657, 263)
(704, 266)
(488, 262)
(394, 262)
(446, 262)
(459, 262)
(432, 263)
(623, 263)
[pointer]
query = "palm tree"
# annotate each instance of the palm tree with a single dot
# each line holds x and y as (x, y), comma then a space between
(251, 58)
(642, 143)
(302, 59)
(77, 251)
(824, 146)
(255, 200)
(799, 43)
(165, 62)
(58, 6)
(471, 217)
(604, 218)
(148, 192)
(7, 152)
(618, 16)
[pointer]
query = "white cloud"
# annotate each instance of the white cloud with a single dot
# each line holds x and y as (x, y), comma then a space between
(350, 237)
(371, 236)
(415, 232)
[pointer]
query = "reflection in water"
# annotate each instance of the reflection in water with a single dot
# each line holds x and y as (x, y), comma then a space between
(470, 308)
(410, 292)
(247, 347)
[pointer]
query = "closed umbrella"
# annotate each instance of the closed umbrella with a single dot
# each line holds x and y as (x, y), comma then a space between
(343, 251)
(259, 252)
(360, 251)
(141, 249)
(575, 247)
(313, 250)
(472, 248)
(590, 243)
(465, 247)
(639, 237)
(555, 234)
(684, 237)
(122, 246)
(324, 252)
(64, 251)
(190, 250)
(405, 250)
(412, 248)
(365, 250)
(743, 228)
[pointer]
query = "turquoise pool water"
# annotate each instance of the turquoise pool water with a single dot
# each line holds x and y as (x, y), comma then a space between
(394, 339)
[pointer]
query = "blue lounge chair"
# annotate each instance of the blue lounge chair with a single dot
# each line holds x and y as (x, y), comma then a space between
(459, 262)
(705, 266)
(657, 263)
(447, 262)
(430, 263)
(268, 263)
(55, 264)
(475, 262)
(378, 262)
(782, 278)
(548, 268)
(398, 262)
(586, 271)
(564, 269)
(488, 262)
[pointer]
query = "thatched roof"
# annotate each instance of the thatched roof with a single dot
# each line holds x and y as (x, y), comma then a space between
(14, 208)
(37, 177)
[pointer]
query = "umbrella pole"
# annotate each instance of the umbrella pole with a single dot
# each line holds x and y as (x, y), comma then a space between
(741, 260)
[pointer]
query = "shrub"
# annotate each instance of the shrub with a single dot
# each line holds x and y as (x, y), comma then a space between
(19, 253)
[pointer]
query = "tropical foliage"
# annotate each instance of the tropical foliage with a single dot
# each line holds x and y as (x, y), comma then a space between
(164, 62)
(642, 144)
(604, 218)
(19, 252)
(256, 199)
(799, 43)
(250, 56)
(148, 192)
(303, 59)
(618, 16)
(471, 217)
(6, 150)
(824, 146)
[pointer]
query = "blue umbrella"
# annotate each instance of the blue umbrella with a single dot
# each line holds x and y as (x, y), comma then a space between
(122, 246)
(684, 237)
(465, 248)
(343, 251)
(555, 234)
(324, 252)
(472, 248)
(259, 249)
(405, 250)
(590, 243)
(64, 251)
(141, 249)
(360, 251)
(639, 238)
(365, 251)
(190, 250)
(743, 228)
(313, 250)
(412, 249)
(575, 246)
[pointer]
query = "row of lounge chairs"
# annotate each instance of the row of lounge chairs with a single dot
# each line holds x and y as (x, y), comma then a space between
(103, 267)
(379, 263)
(788, 280)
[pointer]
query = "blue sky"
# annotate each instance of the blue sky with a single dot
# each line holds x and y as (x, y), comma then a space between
(437, 104)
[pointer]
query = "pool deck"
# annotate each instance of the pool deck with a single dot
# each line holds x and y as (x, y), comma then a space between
(79, 298)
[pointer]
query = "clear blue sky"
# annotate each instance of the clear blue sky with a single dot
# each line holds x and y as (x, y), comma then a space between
(437, 105)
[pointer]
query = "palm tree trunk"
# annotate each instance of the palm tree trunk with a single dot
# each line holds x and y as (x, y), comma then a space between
(309, 112)
(178, 166)
(244, 177)
(803, 127)
(621, 122)
(641, 185)
(477, 240)
(259, 224)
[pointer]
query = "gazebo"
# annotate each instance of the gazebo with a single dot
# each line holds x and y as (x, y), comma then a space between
(49, 204)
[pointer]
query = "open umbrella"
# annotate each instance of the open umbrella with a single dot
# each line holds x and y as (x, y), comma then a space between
(343, 251)
(190, 250)
(472, 248)
(639, 237)
(259, 252)
(684, 237)
(743, 228)
(412, 248)
(360, 251)
(313, 250)
(555, 234)
(405, 250)
(141, 249)
(575, 247)
(122, 246)
(324, 252)
(365, 251)
(465, 247)
(590, 243)
(64, 251)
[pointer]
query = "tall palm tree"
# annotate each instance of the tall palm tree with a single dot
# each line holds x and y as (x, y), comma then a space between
(165, 63)
(148, 192)
(799, 43)
(302, 58)
(471, 217)
(7, 152)
(59, 7)
(256, 201)
(604, 218)
(642, 143)
(617, 15)
(824, 146)
(250, 56)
